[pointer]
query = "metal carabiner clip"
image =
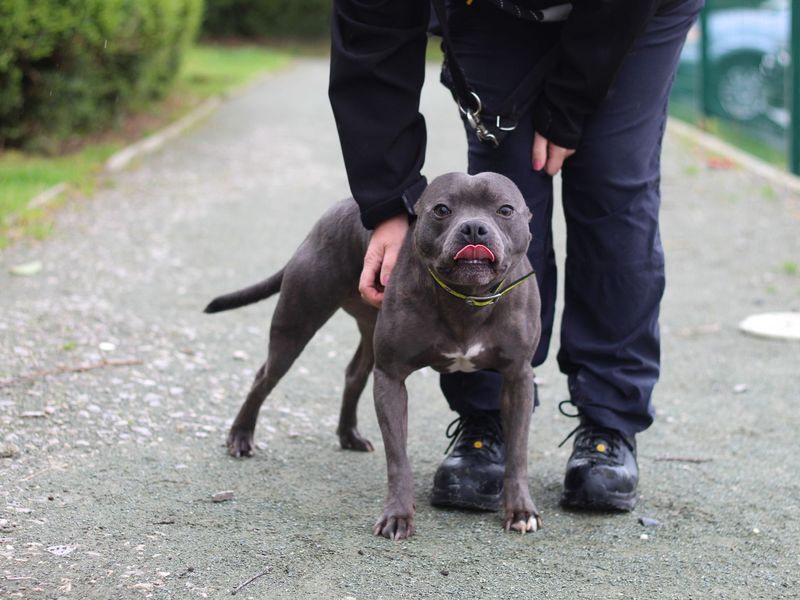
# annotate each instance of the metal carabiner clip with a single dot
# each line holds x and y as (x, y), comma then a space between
(485, 135)
(466, 111)
(474, 121)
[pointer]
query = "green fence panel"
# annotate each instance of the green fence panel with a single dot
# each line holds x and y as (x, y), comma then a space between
(794, 92)
(735, 77)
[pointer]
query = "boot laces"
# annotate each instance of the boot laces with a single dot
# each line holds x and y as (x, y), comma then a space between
(592, 439)
(576, 415)
(468, 430)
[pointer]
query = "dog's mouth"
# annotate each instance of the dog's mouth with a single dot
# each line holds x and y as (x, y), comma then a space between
(474, 254)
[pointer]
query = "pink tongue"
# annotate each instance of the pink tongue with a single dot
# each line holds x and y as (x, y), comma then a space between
(474, 252)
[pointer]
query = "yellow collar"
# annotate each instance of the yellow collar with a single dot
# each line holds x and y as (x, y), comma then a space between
(480, 301)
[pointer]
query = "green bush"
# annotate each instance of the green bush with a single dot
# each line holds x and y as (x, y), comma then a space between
(267, 18)
(71, 66)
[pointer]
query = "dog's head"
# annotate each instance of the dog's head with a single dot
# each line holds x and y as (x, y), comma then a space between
(471, 230)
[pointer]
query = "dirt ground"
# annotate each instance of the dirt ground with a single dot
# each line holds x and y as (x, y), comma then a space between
(107, 473)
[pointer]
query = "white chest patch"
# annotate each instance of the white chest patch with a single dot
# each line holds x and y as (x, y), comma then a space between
(463, 361)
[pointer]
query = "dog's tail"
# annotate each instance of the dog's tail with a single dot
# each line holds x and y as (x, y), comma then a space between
(249, 295)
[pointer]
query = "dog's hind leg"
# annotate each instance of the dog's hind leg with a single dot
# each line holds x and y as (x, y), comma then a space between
(355, 380)
(286, 342)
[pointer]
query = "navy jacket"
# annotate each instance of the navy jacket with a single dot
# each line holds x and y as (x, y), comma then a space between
(377, 70)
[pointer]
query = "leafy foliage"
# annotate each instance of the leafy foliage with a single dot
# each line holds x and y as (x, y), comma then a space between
(71, 66)
(267, 18)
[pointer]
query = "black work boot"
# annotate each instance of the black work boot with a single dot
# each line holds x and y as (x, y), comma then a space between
(472, 474)
(602, 473)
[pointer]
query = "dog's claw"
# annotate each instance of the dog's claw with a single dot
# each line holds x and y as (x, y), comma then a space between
(533, 524)
(518, 522)
(240, 443)
(394, 528)
(352, 440)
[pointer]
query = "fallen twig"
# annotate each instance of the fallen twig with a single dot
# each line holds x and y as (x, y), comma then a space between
(251, 580)
(122, 362)
(684, 459)
(37, 473)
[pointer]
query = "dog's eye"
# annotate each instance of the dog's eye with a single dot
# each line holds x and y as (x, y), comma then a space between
(505, 210)
(440, 210)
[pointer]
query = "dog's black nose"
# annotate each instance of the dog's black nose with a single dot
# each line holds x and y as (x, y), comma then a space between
(474, 232)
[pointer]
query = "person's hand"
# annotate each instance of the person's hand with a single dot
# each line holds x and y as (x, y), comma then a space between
(380, 258)
(548, 155)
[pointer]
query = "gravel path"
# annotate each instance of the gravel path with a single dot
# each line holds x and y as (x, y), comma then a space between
(107, 474)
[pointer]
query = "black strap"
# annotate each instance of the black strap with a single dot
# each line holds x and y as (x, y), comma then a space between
(490, 125)
(529, 88)
(553, 13)
(462, 89)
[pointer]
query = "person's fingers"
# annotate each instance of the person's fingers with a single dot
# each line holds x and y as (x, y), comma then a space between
(556, 155)
(539, 152)
(548, 156)
(555, 160)
(368, 282)
(387, 266)
(380, 258)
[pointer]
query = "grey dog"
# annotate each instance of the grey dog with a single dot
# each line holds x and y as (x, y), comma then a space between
(461, 298)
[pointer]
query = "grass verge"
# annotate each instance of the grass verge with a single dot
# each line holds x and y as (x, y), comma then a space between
(208, 70)
(735, 134)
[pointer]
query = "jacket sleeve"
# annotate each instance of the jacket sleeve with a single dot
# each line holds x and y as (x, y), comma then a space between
(377, 71)
(594, 41)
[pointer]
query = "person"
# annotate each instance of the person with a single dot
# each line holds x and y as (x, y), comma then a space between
(598, 120)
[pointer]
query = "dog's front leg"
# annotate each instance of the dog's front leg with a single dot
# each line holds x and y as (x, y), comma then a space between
(391, 404)
(516, 407)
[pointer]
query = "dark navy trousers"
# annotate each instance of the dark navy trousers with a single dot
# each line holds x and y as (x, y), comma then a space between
(614, 264)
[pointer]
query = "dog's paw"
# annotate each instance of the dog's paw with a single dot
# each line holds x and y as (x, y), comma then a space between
(394, 527)
(352, 440)
(397, 519)
(522, 521)
(240, 443)
(520, 511)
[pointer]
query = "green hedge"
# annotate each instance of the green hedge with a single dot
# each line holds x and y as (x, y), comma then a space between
(267, 18)
(70, 66)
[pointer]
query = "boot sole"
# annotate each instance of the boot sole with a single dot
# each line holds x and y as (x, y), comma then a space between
(457, 497)
(580, 500)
